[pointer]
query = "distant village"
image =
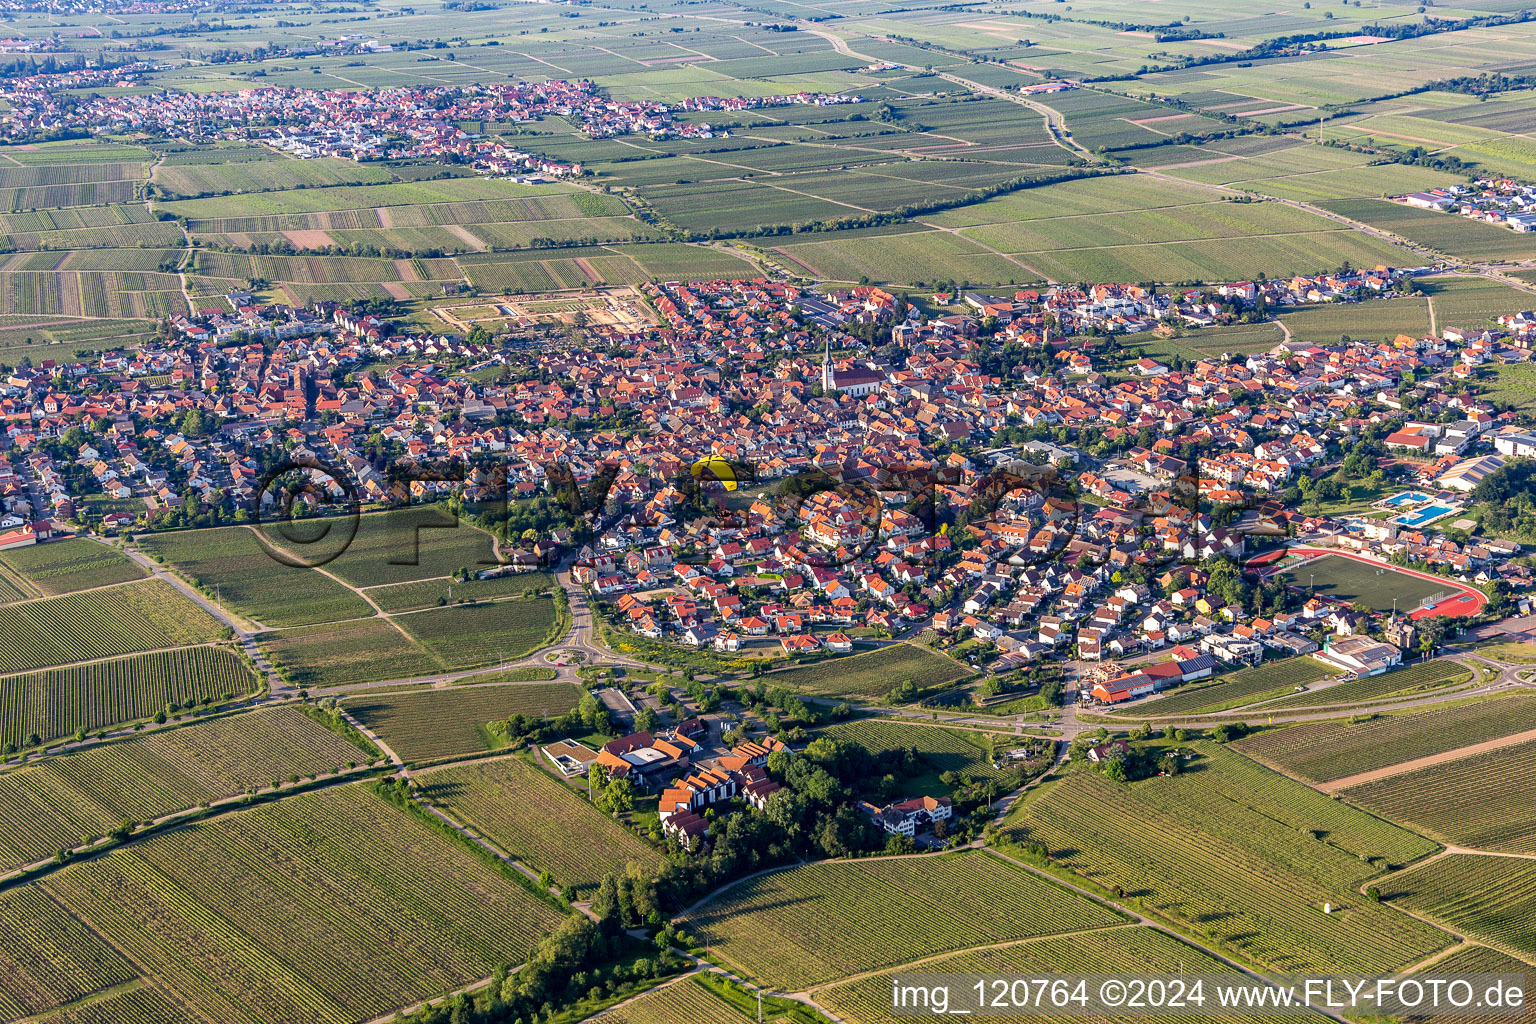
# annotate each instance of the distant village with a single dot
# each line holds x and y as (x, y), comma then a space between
(1501, 202)
(401, 123)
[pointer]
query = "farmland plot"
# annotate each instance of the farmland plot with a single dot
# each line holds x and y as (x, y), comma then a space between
(425, 725)
(99, 624)
(330, 907)
(56, 702)
(1324, 751)
(1434, 675)
(64, 800)
(1246, 856)
(1485, 801)
(818, 922)
(408, 544)
(1118, 951)
(472, 635)
(356, 651)
(687, 1000)
(538, 819)
(49, 958)
(231, 561)
(1237, 688)
(68, 565)
(872, 675)
(1493, 898)
(944, 749)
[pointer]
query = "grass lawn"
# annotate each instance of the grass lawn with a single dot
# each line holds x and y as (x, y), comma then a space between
(871, 675)
(1348, 580)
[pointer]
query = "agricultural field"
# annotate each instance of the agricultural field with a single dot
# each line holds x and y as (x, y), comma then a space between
(1321, 752)
(100, 624)
(65, 800)
(231, 562)
(941, 750)
(815, 923)
(354, 651)
(1348, 580)
(1488, 898)
(1471, 960)
(1485, 801)
(490, 633)
(401, 546)
(1236, 689)
(1511, 653)
(1144, 951)
(1406, 682)
(1512, 384)
(62, 567)
(50, 958)
(685, 1000)
(873, 674)
(1368, 321)
(537, 819)
(56, 702)
(401, 597)
(1245, 857)
(332, 907)
(1447, 232)
(427, 725)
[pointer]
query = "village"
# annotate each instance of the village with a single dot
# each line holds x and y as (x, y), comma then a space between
(1151, 475)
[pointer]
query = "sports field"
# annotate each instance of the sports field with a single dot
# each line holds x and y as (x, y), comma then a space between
(1372, 584)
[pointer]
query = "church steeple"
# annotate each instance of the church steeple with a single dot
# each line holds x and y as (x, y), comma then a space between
(828, 385)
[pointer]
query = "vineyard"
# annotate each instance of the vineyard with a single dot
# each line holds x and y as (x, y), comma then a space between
(400, 597)
(66, 800)
(100, 624)
(944, 750)
(1471, 960)
(872, 675)
(48, 958)
(685, 1001)
(1432, 675)
(231, 562)
(411, 544)
(56, 702)
(138, 1004)
(334, 653)
(68, 565)
(1239, 688)
(818, 922)
(332, 907)
(1492, 898)
(1242, 855)
(1324, 751)
(1486, 801)
(538, 819)
(424, 725)
(469, 636)
(1121, 952)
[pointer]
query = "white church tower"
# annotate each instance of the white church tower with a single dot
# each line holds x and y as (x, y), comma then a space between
(828, 383)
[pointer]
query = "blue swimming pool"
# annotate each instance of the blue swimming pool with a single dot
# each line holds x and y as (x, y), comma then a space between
(1427, 514)
(1405, 498)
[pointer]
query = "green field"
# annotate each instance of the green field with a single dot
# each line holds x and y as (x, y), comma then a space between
(66, 800)
(1448, 232)
(1345, 579)
(1485, 801)
(327, 907)
(100, 624)
(1141, 950)
(1415, 679)
(65, 566)
(231, 562)
(538, 819)
(425, 725)
(355, 651)
(1511, 384)
(687, 1000)
(1490, 898)
(1324, 751)
(1245, 857)
(818, 922)
(400, 597)
(404, 545)
(469, 636)
(1236, 689)
(56, 702)
(873, 674)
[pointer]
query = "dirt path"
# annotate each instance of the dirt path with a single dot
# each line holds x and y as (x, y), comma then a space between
(1426, 762)
(466, 236)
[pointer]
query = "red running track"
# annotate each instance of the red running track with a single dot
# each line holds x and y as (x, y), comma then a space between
(1468, 601)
